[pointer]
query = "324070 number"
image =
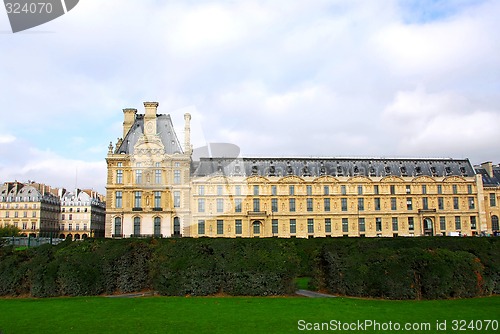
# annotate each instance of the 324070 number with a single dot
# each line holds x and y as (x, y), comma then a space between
(31, 8)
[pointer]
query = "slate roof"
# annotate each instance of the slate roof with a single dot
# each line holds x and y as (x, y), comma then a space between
(164, 128)
(370, 167)
(494, 180)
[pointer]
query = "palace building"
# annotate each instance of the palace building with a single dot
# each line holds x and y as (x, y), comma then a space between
(155, 187)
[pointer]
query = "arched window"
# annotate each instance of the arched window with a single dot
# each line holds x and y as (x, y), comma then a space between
(157, 226)
(494, 223)
(118, 226)
(137, 226)
(256, 227)
(177, 226)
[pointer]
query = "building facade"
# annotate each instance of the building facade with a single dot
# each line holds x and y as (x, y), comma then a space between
(156, 188)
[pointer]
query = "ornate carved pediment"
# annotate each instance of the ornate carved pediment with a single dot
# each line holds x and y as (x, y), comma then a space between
(219, 179)
(256, 179)
(423, 179)
(149, 146)
(291, 179)
(359, 179)
(392, 179)
(326, 179)
(454, 179)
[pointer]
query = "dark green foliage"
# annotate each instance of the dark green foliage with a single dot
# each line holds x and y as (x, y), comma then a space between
(9, 231)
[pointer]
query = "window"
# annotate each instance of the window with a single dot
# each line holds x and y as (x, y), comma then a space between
(375, 189)
(220, 226)
(177, 199)
(220, 205)
(256, 205)
(455, 203)
(62, 216)
(238, 228)
(473, 223)
(360, 190)
(274, 205)
(408, 189)
(458, 223)
(309, 190)
(361, 224)
(201, 205)
(275, 226)
(201, 227)
(425, 203)
(70, 216)
(293, 227)
(291, 190)
(118, 226)
(343, 202)
(409, 203)
(256, 228)
(137, 226)
(393, 189)
(34, 214)
(158, 176)
(494, 223)
(411, 224)
(25, 225)
(119, 176)
(219, 190)
(256, 190)
(237, 190)
(455, 189)
(16, 214)
(424, 189)
(343, 190)
(326, 203)
(328, 225)
(493, 200)
(471, 203)
(395, 223)
(138, 176)
(378, 224)
(326, 190)
(440, 189)
(25, 214)
(393, 203)
(291, 203)
(137, 199)
(469, 188)
(177, 176)
(345, 225)
(274, 190)
(157, 226)
(377, 203)
(442, 223)
(237, 205)
(361, 204)
(201, 190)
(309, 205)
(118, 199)
(85, 227)
(310, 225)
(157, 200)
(440, 203)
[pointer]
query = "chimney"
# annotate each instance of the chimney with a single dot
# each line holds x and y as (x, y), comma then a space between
(489, 167)
(150, 118)
(187, 134)
(150, 109)
(128, 119)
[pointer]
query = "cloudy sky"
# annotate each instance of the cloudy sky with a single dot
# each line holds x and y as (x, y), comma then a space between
(383, 78)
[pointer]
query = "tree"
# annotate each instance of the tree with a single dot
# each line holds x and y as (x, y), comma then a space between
(9, 231)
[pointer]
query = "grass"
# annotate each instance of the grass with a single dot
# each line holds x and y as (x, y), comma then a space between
(225, 314)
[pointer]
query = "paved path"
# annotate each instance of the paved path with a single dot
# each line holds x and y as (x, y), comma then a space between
(132, 295)
(313, 294)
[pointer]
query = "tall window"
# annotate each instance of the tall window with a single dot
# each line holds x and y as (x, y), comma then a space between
(309, 204)
(455, 189)
(424, 189)
(442, 223)
(119, 176)
(425, 203)
(458, 223)
(327, 204)
(345, 225)
(256, 228)
(440, 203)
(361, 204)
(293, 226)
(309, 190)
(201, 205)
(473, 223)
(219, 190)
(138, 175)
(158, 176)
(440, 189)
(378, 224)
(343, 202)
(408, 189)
(377, 203)
(455, 203)
(291, 190)
(326, 190)
(409, 203)
(493, 200)
(494, 223)
(118, 226)
(256, 205)
(237, 190)
(274, 205)
(274, 190)
(469, 189)
(138, 199)
(291, 203)
(328, 225)
(375, 189)
(177, 199)
(201, 190)
(137, 226)
(256, 190)
(361, 225)
(220, 226)
(238, 228)
(201, 227)
(393, 189)
(360, 190)
(118, 199)
(275, 226)
(220, 205)
(471, 203)
(310, 225)
(237, 205)
(411, 224)
(393, 203)
(157, 226)
(343, 190)
(395, 224)
(177, 176)
(157, 199)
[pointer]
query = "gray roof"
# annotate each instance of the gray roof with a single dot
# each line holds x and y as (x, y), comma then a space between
(370, 167)
(490, 181)
(164, 128)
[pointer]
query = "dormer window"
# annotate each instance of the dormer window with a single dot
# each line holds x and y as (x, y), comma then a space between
(418, 170)
(339, 171)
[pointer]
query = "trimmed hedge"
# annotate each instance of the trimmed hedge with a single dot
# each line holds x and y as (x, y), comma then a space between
(394, 268)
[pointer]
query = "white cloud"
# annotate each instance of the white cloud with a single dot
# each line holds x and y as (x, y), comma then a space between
(5, 139)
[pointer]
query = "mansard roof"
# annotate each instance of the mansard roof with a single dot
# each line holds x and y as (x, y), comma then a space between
(369, 167)
(490, 181)
(164, 128)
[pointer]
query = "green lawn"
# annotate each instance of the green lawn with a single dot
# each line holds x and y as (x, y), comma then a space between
(227, 315)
